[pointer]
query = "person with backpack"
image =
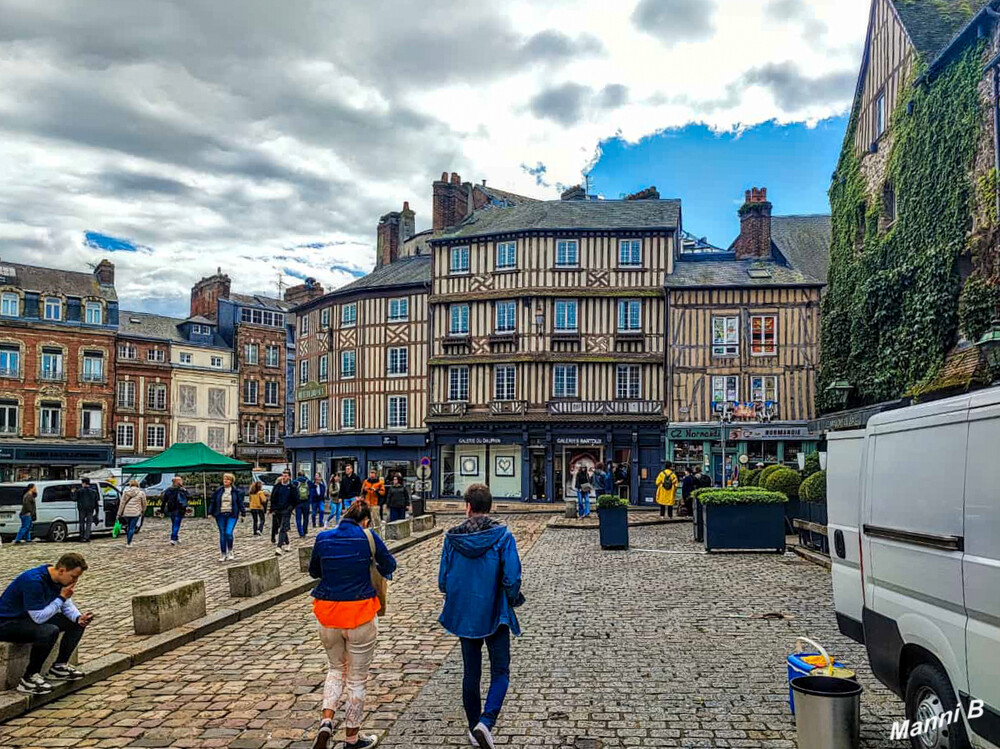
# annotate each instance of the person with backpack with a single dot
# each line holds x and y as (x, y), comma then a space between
(174, 504)
(87, 501)
(346, 605)
(480, 576)
(227, 508)
(301, 504)
(317, 500)
(282, 502)
(601, 480)
(666, 489)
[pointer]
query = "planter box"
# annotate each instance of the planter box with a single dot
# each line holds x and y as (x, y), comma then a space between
(698, 523)
(614, 528)
(758, 527)
(818, 513)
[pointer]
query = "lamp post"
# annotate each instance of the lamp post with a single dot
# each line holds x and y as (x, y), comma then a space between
(839, 391)
(989, 345)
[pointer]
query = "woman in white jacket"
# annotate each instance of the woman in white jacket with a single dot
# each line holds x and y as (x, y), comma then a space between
(131, 508)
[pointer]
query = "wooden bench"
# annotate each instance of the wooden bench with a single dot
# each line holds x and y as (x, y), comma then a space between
(398, 530)
(159, 610)
(14, 660)
(422, 523)
(253, 578)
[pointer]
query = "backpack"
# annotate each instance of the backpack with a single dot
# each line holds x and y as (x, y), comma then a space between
(303, 492)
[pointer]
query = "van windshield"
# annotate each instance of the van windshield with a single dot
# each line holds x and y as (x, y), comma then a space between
(11, 495)
(268, 479)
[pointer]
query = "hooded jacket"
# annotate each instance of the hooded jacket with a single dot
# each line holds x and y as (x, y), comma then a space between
(480, 577)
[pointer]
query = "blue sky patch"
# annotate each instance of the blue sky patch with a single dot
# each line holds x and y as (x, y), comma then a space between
(110, 244)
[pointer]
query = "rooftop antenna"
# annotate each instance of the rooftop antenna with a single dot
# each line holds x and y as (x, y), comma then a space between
(281, 285)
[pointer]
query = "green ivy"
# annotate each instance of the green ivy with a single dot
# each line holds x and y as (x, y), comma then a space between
(977, 306)
(890, 312)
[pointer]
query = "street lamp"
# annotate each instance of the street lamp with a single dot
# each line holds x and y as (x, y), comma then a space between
(839, 390)
(989, 344)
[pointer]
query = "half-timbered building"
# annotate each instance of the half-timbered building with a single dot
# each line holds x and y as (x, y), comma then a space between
(547, 344)
(743, 332)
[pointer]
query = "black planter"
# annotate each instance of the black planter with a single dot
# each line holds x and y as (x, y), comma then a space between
(752, 527)
(614, 527)
(818, 512)
(699, 522)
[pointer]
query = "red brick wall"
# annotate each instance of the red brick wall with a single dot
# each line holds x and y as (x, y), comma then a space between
(144, 373)
(755, 226)
(206, 294)
(451, 201)
(263, 337)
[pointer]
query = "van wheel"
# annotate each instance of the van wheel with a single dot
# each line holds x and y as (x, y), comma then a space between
(929, 695)
(58, 532)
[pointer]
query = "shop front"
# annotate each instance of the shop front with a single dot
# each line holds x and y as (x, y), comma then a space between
(387, 454)
(20, 462)
(690, 445)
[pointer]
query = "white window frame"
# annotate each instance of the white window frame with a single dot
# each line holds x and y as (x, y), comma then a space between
(348, 373)
(125, 397)
(52, 304)
(10, 304)
(881, 119)
(53, 415)
(567, 253)
(304, 417)
(771, 350)
(11, 411)
(87, 415)
(90, 307)
(349, 413)
(762, 385)
(458, 319)
(721, 385)
(397, 361)
(629, 315)
(250, 392)
(250, 431)
(156, 355)
(303, 371)
(506, 255)
(399, 309)
(272, 432)
(186, 358)
(153, 400)
(458, 384)
(504, 382)
(59, 362)
(725, 336)
(629, 253)
(566, 309)
(250, 353)
(270, 386)
(89, 374)
(324, 318)
(304, 324)
(127, 351)
(324, 368)
(125, 436)
(324, 415)
(217, 362)
(397, 413)
(628, 382)
(12, 356)
(563, 376)
(459, 261)
(274, 361)
(349, 315)
(505, 316)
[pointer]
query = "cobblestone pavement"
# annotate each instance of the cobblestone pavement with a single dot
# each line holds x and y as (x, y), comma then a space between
(116, 573)
(258, 683)
(652, 648)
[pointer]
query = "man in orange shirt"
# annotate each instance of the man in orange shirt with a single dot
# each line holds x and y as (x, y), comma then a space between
(373, 490)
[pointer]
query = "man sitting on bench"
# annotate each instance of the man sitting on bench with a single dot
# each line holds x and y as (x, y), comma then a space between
(34, 609)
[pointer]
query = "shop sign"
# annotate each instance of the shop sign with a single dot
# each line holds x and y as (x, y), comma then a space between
(6, 453)
(390, 441)
(311, 391)
(579, 441)
(696, 434)
(55, 455)
(769, 433)
(480, 441)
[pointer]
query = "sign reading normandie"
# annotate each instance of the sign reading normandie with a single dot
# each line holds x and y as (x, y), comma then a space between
(310, 392)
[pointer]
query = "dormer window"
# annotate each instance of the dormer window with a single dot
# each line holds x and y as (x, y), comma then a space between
(10, 305)
(94, 313)
(53, 308)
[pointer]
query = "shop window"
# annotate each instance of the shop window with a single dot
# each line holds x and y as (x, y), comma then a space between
(792, 450)
(689, 454)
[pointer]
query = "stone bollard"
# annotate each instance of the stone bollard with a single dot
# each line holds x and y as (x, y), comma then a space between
(422, 523)
(398, 530)
(253, 578)
(571, 510)
(14, 661)
(156, 611)
(305, 555)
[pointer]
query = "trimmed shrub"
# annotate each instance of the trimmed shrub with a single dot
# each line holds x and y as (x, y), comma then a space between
(741, 496)
(766, 472)
(813, 489)
(611, 502)
(812, 464)
(749, 477)
(784, 480)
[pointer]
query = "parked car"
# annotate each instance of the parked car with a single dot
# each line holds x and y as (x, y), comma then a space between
(58, 519)
(267, 479)
(914, 518)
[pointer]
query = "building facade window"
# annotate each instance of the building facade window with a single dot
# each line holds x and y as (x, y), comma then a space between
(348, 413)
(506, 255)
(156, 437)
(52, 364)
(628, 382)
(349, 315)
(156, 355)
(458, 384)
(250, 392)
(324, 414)
(250, 432)
(156, 397)
(764, 389)
(303, 417)
(566, 316)
(262, 317)
(94, 314)
(504, 377)
(348, 364)
(304, 324)
(506, 317)
(725, 336)
(630, 253)
(188, 397)
(324, 318)
(10, 305)
(217, 439)
(126, 394)
(10, 361)
(51, 422)
(126, 351)
(92, 422)
(187, 433)
(217, 362)
(324, 368)
(398, 361)
(270, 393)
(629, 315)
(725, 389)
(888, 204)
(272, 356)
(564, 381)
(250, 353)
(567, 253)
(9, 417)
(399, 310)
(459, 260)
(53, 308)
(398, 412)
(93, 367)
(186, 358)
(216, 403)
(304, 371)
(126, 436)
(458, 319)
(764, 335)
(271, 432)
(880, 115)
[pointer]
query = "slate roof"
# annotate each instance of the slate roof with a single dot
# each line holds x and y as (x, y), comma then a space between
(160, 327)
(933, 24)
(692, 273)
(549, 215)
(805, 243)
(509, 197)
(261, 301)
(406, 271)
(55, 281)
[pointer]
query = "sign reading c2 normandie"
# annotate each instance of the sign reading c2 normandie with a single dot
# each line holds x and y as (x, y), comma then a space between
(311, 391)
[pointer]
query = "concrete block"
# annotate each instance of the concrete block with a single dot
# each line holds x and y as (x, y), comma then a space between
(422, 523)
(571, 509)
(253, 578)
(162, 609)
(14, 660)
(305, 554)
(398, 530)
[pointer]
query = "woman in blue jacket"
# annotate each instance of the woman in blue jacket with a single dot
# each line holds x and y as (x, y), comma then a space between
(227, 507)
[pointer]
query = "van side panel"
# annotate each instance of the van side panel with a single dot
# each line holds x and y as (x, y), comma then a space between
(917, 486)
(845, 456)
(982, 564)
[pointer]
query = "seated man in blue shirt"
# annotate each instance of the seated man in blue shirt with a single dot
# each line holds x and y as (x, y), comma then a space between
(34, 609)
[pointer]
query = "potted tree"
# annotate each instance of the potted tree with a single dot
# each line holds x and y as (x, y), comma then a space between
(743, 518)
(786, 481)
(612, 514)
(813, 496)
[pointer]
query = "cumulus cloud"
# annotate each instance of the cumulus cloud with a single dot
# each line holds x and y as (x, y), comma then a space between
(267, 138)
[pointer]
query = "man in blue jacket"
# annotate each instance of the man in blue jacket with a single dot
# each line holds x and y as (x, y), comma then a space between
(480, 577)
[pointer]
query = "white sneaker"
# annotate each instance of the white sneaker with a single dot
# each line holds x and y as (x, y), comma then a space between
(222, 558)
(231, 556)
(483, 736)
(173, 543)
(472, 740)
(278, 552)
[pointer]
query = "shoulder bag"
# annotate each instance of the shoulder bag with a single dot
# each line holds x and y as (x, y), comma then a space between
(380, 583)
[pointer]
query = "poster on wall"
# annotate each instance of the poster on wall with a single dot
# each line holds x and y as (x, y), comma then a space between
(575, 460)
(469, 465)
(504, 466)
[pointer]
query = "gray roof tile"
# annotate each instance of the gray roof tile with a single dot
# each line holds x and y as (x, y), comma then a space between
(805, 243)
(55, 281)
(159, 327)
(933, 24)
(701, 273)
(261, 301)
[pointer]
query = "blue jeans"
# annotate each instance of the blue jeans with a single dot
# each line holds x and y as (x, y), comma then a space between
(336, 509)
(317, 510)
(175, 525)
(130, 525)
(397, 513)
(302, 519)
(24, 532)
(582, 503)
(498, 646)
(227, 524)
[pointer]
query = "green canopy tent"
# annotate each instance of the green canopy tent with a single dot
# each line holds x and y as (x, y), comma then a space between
(188, 457)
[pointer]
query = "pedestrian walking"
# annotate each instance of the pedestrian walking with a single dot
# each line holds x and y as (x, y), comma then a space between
(703, 479)
(581, 482)
(131, 508)
(28, 514)
(317, 498)
(34, 609)
(601, 480)
(336, 505)
(666, 489)
(301, 504)
(174, 505)
(398, 499)
(346, 606)
(480, 577)
(282, 503)
(688, 486)
(87, 500)
(350, 486)
(227, 508)
(373, 490)
(257, 499)
(622, 480)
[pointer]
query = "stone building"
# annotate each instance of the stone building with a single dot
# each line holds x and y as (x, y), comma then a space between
(57, 339)
(142, 424)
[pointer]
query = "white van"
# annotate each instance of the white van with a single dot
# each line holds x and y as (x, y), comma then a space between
(914, 521)
(58, 519)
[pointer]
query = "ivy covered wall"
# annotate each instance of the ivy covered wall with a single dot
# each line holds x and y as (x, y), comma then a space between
(891, 310)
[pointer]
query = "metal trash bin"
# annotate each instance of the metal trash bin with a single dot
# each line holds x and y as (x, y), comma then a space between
(827, 712)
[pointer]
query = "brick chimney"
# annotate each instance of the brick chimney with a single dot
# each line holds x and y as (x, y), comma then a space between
(304, 292)
(650, 193)
(574, 193)
(755, 226)
(452, 201)
(394, 229)
(105, 273)
(205, 295)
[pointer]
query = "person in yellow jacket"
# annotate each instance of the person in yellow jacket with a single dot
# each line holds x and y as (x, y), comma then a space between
(666, 489)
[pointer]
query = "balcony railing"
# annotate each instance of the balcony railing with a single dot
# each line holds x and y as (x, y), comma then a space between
(50, 431)
(449, 409)
(606, 408)
(10, 372)
(91, 433)
(93, 377)
(52, 375)
(7, 429)
(508, 408)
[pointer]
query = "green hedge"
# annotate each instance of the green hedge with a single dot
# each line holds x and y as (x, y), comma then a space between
(813, 489)
(766, 472)
(784, 480)
(749, 477)
(610, 502)
(812, 464)
(740, 496)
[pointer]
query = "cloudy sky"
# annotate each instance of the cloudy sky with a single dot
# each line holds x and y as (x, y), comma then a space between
(267, 137)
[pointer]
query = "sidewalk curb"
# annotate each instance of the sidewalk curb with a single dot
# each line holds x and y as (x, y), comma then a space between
(14, 704)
